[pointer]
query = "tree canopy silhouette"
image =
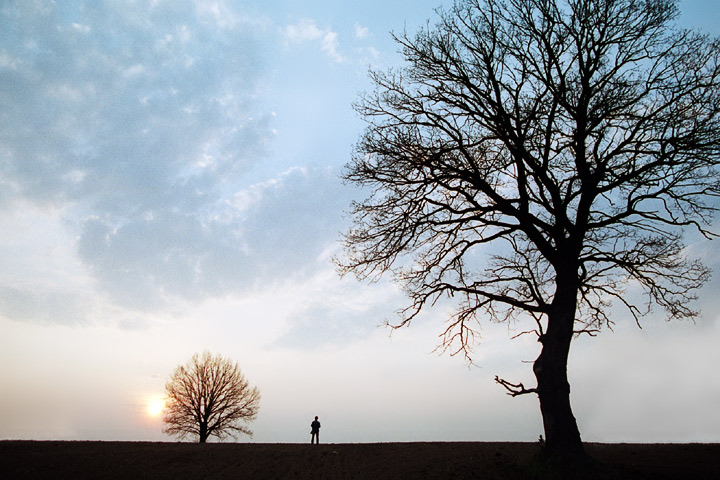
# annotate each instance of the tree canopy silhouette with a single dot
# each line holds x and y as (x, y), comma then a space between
(209, 396)
(531, 160)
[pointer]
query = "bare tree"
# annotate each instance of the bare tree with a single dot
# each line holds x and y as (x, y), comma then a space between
(209, 396)
(531, 160)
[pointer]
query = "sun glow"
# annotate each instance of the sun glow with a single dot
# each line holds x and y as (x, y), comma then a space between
(155, 406)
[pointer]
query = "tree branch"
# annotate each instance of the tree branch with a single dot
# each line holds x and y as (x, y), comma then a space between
(514, 390)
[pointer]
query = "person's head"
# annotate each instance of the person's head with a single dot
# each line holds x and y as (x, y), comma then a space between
(315, 417)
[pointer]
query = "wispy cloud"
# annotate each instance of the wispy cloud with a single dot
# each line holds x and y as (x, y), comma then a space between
(306, 30)
(302, 31)
(330, 46)
(360, 31)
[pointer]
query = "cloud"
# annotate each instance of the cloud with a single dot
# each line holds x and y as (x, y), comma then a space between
(361, 32)
(110, 106)
(269, 232)
(306, 30)
(45, 307)
(219, 13)
(140, 125)
(330, 46)
(302, 31)
(339, 313)
(298, 216)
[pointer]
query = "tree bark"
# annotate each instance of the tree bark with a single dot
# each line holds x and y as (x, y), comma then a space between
(203, 432)
(562, 437)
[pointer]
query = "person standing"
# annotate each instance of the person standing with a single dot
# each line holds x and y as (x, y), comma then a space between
(315, 431)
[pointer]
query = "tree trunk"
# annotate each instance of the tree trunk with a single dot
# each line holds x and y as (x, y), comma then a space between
(562, 437)
(203, 432)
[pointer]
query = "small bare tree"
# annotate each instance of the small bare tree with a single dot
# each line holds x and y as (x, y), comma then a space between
(209, 396)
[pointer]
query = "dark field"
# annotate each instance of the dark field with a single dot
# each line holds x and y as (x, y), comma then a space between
(452, 460)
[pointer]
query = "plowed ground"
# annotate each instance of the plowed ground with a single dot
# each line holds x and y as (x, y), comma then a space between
(451, 460)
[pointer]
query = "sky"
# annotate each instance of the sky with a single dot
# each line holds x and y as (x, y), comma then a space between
(169, 184)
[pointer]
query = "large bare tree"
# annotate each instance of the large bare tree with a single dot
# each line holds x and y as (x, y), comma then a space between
(209, 396)
(531, 160)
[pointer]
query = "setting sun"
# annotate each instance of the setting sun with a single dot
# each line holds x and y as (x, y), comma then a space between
(156, 406)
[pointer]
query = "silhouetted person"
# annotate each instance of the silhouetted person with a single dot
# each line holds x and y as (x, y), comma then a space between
(315, 431)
